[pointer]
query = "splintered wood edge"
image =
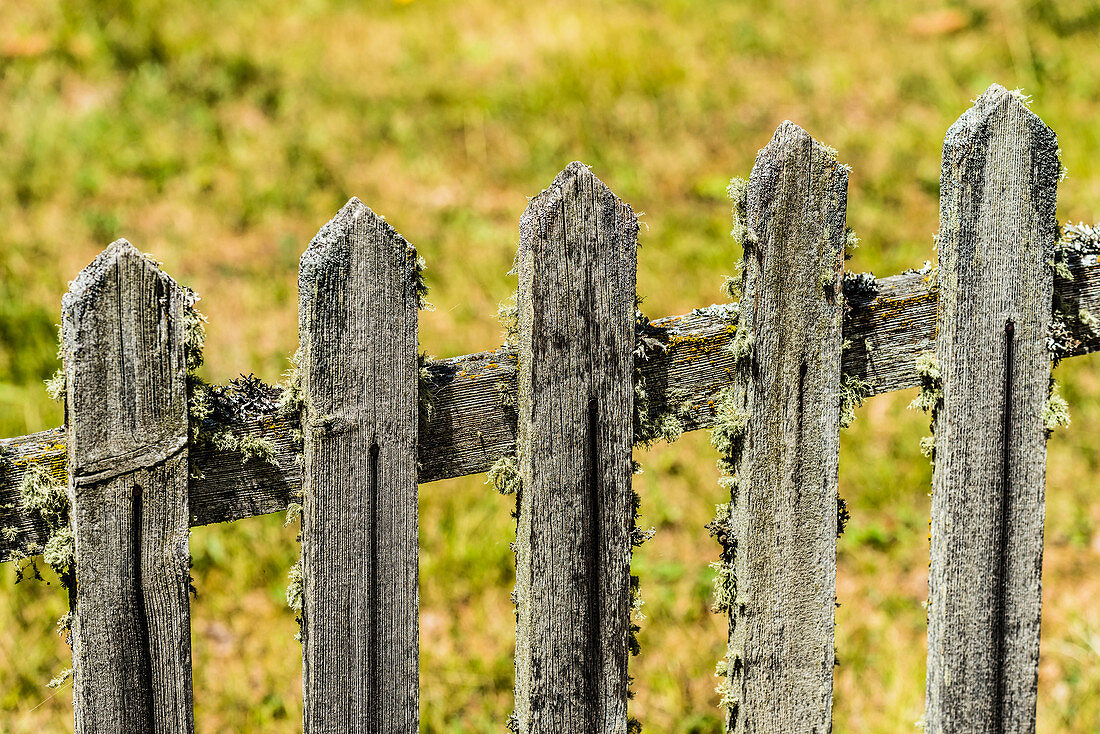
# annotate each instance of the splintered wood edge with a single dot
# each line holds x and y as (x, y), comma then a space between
(474, 420)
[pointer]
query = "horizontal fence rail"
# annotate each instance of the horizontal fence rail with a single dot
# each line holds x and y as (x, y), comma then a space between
(886, 326)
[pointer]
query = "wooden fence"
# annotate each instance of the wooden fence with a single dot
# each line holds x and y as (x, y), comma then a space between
(148, 450)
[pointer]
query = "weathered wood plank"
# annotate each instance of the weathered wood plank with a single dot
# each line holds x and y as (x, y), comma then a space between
(997, 233)
(783, 500)
(358, 314)
(577, 263)
(122, 325)
(471, 429)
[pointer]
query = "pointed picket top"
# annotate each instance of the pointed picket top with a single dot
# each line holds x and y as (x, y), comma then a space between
(995, 108)
(576, 177)
(331, 242)
(790, 141)
(355, 227)
(119, 300)
(85, 287)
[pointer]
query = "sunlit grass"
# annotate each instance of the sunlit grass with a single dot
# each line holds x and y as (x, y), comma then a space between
(220, 138)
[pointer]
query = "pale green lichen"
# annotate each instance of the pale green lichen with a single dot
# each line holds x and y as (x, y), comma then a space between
(851, 242)
(294, 587)
(43, 496)
(742, 345)
(254, 448)
(928, 448)
(55, 385)
(293, 513)
(853, 391)
(290, 387)
(724, 582)
(59, 680)
(929, 399)
(930, 396)
(658, 414)
(60, 549)
(194, 331)
(727, 698)
(1056, 410)
(1089, 321)
(1025, 99)
(419, 266)
(731, 284)
(728, 434)
(738, 192)
(504, 476)
(728, 437)
(425, 391)
(508, 316)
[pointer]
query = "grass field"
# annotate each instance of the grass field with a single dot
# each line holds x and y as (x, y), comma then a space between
(221, 137)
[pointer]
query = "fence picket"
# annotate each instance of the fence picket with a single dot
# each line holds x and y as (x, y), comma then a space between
(358, 319)
(123, 331)
(997, 232)
(784, 498)
(577, 263)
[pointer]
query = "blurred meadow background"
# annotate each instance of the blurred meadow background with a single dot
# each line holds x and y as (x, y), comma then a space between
(220, 136)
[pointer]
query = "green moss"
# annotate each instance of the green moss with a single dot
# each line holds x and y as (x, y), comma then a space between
(504, 476)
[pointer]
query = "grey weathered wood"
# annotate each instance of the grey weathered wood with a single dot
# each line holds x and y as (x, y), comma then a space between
(358, 315)
(122, 325)
(997, 232)
(783, 511)
(577, 263)
(470, 429)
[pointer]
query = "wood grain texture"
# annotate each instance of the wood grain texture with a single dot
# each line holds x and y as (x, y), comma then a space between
(997, 233)
(577, 262)
(471, 429)
(783, 511)
(358, 316)
(122, 325)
